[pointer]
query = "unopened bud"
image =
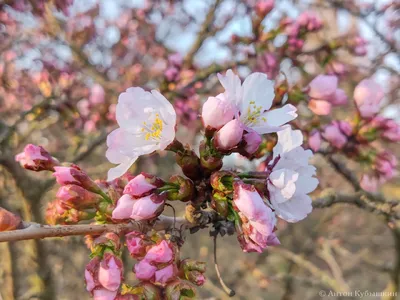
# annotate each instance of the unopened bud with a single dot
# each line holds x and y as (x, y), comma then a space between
(222, 181)
(74, 196)
(185, 191)
(190, 164)
(36, 158)
(180, 289)
(74, 175)
(220, 203)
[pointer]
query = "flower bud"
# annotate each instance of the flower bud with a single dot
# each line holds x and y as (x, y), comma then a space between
(160, 253)
(136, 244)
(220, 203)
(334, 135)
(74, 196)
(368, 96)
(229, 135)
(8, 221)
(210, 159)
(144, 270)
(148, 207)
(180, 289)
(222, 181)
(186, 189)
(36, 158)
(314, 140)
(164, 275)
(263, 7)
(123, 209)
(74, 175)
(142, 184)
(189, 163)
(196, 277)
(110, 272)
(253, 141)
(217, 111)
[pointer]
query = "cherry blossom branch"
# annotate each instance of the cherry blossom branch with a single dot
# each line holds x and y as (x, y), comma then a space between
(31, 230)
(361, 199)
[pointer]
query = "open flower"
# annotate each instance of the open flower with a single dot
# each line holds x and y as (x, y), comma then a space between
(147, 123)
(291, 177)
(253, 99)
(257, 219)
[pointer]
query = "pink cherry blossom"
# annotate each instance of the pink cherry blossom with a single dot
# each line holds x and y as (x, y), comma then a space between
(368, 96)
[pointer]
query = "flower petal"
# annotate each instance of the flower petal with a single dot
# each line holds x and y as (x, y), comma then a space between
(259, 89)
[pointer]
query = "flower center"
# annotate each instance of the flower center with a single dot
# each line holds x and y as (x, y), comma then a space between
(153, 131)
(253, 114)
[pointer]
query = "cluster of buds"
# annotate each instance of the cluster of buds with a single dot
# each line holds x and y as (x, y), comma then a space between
(104, 273)
(140, 199)
(383, 165)
(159, 266)
(78, 198)
(296, 29)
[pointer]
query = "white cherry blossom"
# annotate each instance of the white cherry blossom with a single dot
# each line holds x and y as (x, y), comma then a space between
(146, 123)
(291, 177)
(253, 99)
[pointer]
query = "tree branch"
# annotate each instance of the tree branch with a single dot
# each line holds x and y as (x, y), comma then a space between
(29, 230)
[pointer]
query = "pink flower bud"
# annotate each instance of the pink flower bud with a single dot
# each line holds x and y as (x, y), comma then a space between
(104, 294)
(124, 207)
(229, 135)
(166, 274)
(144, 270)
(314, 141)
(97, 94)
(320, 107)
(368, 96)
(136, 244)
(74, 175)
(340, 98)
(91, 274)
(110, 272)
(217, 111)
(391, 131)
(334, 136)
(161, 253)
(175, 59)
(36, 158)
(74, 196)
(148, 207)
(142, 184)
(172, 74)
(385, 164)
(253, 141)
(263, 7)
(323, 87)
